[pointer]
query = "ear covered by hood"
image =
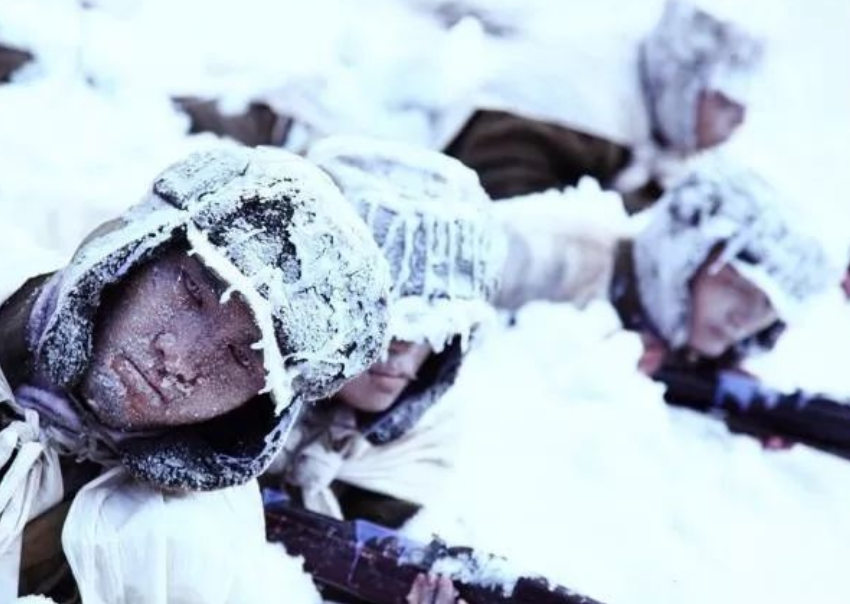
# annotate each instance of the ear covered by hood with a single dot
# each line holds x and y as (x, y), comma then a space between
(721, 204)
(432, 220)
(691, 50)
(272, 227)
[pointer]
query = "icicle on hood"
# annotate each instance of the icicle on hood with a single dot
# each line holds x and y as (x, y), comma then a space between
(270, 226)
(431, 217)
(689, 51)
(721, 204)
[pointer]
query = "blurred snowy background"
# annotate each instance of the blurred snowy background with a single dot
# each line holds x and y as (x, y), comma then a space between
(571, 465)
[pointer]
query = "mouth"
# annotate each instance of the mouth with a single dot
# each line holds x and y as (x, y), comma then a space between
(391, 372)
(717, 340)
(132, 376)
(386, 375)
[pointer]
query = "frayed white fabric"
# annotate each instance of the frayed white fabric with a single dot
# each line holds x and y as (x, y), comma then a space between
(31, 484)
(127, 543)
(432, 220)
(720, 203)
(409, 468)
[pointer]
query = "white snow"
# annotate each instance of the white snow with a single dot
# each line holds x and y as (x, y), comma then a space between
(571, 464)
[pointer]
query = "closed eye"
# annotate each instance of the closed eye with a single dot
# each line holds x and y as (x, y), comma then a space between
(192, 288)
(241, 355)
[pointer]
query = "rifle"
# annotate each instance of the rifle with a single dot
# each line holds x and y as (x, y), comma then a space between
(749, 406)
(377, 565)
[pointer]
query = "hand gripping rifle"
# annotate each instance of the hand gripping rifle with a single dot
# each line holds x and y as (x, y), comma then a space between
(375, 564)
(749, 406)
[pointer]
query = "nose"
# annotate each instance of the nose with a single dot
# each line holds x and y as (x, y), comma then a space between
(744, 321)
(736, 320)
(399, 347)
(176, 360)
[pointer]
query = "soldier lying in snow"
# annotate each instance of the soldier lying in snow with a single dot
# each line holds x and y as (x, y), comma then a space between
(173, 354)
(629, 118)
(379, 449)
(715, 275)
(626, 110)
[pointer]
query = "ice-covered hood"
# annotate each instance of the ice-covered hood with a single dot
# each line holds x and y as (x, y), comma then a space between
(691, 50)
(721, 204)
(431, 217)
(275, 229)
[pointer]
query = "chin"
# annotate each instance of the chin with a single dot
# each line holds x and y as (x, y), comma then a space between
(376, 408)
(371, 405)
(711, 351)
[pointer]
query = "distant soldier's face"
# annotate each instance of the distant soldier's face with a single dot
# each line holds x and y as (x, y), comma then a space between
(378, 388)
(726, 309)
(718, 117)
(167, 351)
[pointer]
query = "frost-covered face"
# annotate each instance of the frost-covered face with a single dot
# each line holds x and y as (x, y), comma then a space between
(168, 352)
(378, 388)
(726, 309)
(718, 117)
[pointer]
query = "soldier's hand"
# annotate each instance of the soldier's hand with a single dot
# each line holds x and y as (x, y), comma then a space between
(654, 354)
(433, 590)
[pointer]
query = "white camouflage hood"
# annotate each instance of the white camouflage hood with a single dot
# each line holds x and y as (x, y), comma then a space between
(270, 226)
(720, 204)
(690, 51)
(431, 218)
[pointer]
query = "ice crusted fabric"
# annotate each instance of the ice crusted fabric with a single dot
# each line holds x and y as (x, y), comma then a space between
(272, 227)
(689, 51)
(723, 204)
(431, 218)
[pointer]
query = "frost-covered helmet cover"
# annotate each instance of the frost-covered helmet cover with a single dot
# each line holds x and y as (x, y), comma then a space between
(431, 217)
(687, 52)
(272, 227)
(723, 205)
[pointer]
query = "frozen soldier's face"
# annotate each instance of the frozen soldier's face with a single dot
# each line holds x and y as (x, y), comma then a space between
(380, 386)
(726, 309)
(167, 351)
(718, 117)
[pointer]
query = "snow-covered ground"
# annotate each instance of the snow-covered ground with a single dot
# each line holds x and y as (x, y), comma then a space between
(573, 467)
(571, 464)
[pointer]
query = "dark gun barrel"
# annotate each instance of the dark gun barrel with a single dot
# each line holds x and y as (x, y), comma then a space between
(749, 406)
(377, 565)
